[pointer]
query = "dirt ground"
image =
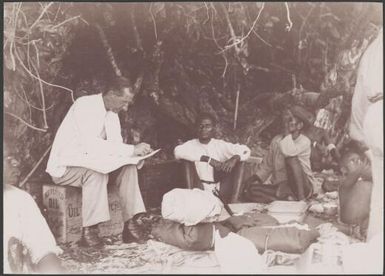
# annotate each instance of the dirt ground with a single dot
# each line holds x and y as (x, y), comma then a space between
(156, 257)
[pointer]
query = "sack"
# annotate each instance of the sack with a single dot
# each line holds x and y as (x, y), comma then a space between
(190, 206)
(285, 238)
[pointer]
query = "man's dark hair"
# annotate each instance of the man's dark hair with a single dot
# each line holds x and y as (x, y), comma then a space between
(118, 84)
(138, 228)
(302, 115)
(352, 147)
(205, 115)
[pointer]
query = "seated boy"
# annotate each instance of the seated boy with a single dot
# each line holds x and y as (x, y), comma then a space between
(214, 159)
(287, 162)
(324, 154)
(355, 190)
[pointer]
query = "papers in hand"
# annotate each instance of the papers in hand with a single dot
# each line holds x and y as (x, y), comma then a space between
(136, 159)
(105, 165)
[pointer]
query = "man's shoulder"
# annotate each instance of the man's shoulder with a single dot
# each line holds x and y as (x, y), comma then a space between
(303, 138)
(220, 141)
(194, 141)
(89, 98)
(11, 191)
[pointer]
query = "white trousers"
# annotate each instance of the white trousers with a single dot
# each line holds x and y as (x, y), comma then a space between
(94, 192)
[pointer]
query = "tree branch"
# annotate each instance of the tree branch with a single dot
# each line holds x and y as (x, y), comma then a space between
(35, 77)
(238, 41)
(41, 15)
(25, 122)
(107, 47)
(22, 183)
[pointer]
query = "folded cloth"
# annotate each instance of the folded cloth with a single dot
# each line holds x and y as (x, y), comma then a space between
(289, 239)
(237, 255)
(190, 206)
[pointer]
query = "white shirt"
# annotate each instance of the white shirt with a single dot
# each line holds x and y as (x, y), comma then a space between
(220, 150)
(301, 148)
(370, 81)
(90, 137)
(24, 222)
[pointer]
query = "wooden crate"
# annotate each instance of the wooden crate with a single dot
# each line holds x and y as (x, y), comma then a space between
(157, 179)
(63, 206)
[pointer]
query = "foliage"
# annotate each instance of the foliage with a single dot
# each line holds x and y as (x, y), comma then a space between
(185, 57)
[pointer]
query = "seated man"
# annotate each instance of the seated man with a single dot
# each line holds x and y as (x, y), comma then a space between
(287, 162)
(28, 244)
(87, 147)
(214, 159)
(355, 190)
(263, 230)
(324, 154)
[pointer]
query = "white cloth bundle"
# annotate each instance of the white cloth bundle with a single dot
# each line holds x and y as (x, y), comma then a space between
(237, 255)
(190, 206)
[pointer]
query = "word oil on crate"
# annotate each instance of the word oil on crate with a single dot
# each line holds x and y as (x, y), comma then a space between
(64, 213)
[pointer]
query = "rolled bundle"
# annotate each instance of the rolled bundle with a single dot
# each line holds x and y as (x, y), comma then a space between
(190, 206)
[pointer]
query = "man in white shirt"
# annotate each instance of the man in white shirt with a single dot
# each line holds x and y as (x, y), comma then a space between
(287, 162)
(366, 124)
(214, 159)
(28, 244)
(88, 146)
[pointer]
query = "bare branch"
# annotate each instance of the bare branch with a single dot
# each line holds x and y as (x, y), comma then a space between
(207, 13)
(109, 50)
(288, 28)
(264, 41)
(42, 97)
(47, 83)
(67, 20)
(25, 122)
(154, 22)
(236, 106)
(136, 33)
(26, 101)
(22, 183)
(236, 40)
(41, 15)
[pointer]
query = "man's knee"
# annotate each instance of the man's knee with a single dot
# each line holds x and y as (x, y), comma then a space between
(293, 163)
(91, 176)
(128, 169)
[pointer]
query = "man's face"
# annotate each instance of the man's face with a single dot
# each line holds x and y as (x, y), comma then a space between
(205, 129)
(11, 173)
(119, 103)
(291, 123)
(352, 162)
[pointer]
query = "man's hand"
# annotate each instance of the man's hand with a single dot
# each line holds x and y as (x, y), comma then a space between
(142, 149)
(216, 164)
(229, 164)
(364, 169)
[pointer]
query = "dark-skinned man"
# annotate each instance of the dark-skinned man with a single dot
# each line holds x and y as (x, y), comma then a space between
(214, 159)
(287, 162)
